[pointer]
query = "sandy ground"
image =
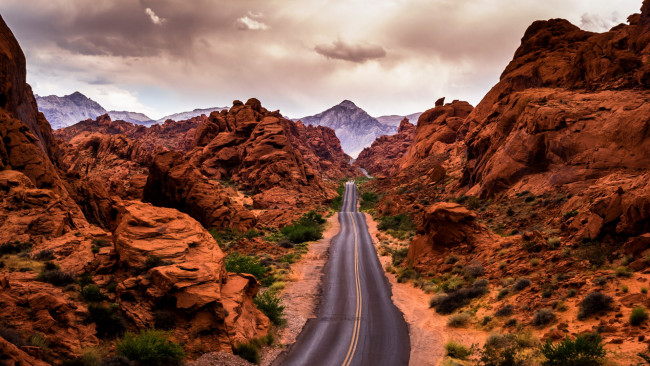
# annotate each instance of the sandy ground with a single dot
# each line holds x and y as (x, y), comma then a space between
(428, 331)
(302, 292)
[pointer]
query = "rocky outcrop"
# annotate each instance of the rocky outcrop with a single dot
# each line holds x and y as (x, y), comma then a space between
(381, 156)
(445, 226)
(174, 182)
(321, 150)
(563, 109)
(190, 279)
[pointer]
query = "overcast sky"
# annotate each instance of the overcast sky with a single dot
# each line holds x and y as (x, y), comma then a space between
(300, 56)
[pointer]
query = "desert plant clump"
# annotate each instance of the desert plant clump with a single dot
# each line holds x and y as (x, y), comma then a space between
(457, 350)
(53, 275)
(459, 298)
(92, 293)
(638, 316)
(458, 320)
(248, 351)
(239, 263)
(270, 304)
(521, 284)
(585, 349)
(504, 350)
(398, 256)
(153, 261)
(474, 271)
(150, 348)
(594, 303)
(108, 323)
(505, 310)
(543, 317)
(623, 272)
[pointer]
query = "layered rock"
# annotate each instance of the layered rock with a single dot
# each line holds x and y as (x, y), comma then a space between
(174, 182)
(191, 280)
(379, 159)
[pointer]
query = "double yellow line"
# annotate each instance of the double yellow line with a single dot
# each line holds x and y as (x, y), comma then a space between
(357, 320)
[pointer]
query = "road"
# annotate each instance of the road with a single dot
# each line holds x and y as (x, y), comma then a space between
(357, 324)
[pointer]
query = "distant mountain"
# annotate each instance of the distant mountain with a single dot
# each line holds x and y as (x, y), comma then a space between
(187, 115)
(68, 110)
(394, 120)
(353, 126)
(133, 117)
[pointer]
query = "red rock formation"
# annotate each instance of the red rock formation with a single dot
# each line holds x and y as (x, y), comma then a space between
(215, 306)
(174, 182)
(381, 156)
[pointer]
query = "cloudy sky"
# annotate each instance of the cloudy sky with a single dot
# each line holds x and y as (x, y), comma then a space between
(299, 56)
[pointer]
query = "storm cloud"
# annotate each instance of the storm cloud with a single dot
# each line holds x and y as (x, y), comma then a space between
(350, 52)
(299, 56)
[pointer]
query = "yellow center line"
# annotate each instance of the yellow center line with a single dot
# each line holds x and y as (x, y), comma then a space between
(357, 321)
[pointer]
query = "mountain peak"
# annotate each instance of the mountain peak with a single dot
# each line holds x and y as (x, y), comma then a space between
(348, 104)
(77, 96)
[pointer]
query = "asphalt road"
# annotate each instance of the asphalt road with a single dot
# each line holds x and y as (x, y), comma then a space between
(357, 324)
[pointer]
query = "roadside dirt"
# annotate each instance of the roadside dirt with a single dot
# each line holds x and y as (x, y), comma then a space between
(302, 292)
(428, 331)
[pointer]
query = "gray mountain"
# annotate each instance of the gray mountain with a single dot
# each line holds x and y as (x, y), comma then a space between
(394, 120)
(353, 126)
(68, 110)
(187, 115)
(133, 117)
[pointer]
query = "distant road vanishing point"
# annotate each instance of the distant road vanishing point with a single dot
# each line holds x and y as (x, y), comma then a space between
(357, 324)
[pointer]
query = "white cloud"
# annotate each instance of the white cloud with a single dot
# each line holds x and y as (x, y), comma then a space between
(154, 18)
(250, 22)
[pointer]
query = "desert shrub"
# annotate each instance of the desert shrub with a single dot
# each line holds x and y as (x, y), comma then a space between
(543, 317)
(638, 316)
(584, 350)
(108, 323)
(399, 222)
(521, 284)
(457, 350)
(248, 351)
(547, 293)
(155, 261)
(474, 270)
(594, 303)
(239, 263)
(368, 200)
(284, 243)
(337, 202)
(164, 320)
(480, 282)
(452, 284)
(505, 310)
(451, 259)
(270, 304)
(458, 320)
(457, 299)
(399, 255)
(570, 214)
(311, 218)
(150, 348)
(92, 293)
(623, 272)
(503, 293)
(502, 350)
(405, 274)
(15, 247)
(572, 292)
(297, 233)
(44, 255)
(554, 242)
(55, 276)
(37, 340)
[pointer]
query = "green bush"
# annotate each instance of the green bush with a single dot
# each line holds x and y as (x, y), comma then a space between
(337, 202)
(108, 323)
(457, 350)
(248, 351)
(298, 233)
(638, 316)
(450, 302)
(503, 350)
(150, 348)
(458, 320)
(585, 350)
(92, 293)
(521, 284)
(399, 255)
(368, 201)
(594, 303)
(399, 222)
(239, 263)
(623, 272)
(311, 218)
(155, 261)
(270, 304)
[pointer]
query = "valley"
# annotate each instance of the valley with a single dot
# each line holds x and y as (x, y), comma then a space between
(512, 231)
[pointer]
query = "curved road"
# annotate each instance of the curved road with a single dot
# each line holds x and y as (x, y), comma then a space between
(357, 324)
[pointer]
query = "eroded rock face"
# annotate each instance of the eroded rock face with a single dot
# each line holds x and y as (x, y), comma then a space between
(174, 182)
(445, 226)
(191, 278)
(385, 151)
